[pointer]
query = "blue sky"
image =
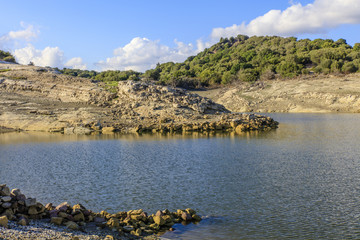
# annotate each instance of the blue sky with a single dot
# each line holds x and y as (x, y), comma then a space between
(136, 35)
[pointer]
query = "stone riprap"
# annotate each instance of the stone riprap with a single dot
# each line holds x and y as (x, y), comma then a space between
(16, 208)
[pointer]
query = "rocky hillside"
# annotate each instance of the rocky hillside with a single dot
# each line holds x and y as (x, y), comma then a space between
(327, 93)
(41, 99)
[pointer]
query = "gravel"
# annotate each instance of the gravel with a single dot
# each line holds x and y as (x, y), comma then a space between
(43, 230)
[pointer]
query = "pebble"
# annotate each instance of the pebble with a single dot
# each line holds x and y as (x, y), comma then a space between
(41, 230)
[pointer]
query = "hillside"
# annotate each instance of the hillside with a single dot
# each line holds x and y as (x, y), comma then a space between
(43, 99)
(322, 94)
(248, 59)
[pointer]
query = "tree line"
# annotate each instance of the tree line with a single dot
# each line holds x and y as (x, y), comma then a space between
(241, 58)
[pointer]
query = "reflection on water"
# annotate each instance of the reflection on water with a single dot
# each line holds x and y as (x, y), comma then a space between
(39, 137)
(299, 181)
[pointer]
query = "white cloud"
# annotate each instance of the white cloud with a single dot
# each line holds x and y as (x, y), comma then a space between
(142, 54)
(317, 17)
(76, 63)
(49, 56)
(13, 38)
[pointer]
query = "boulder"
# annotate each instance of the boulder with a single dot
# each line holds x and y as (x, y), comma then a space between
(6, 205)
(32, 211)
(72, 225)
(15, 192)
(6, 199)
(63, 207)
(29, 202)
(23, 221)
(4, 221)
(4, 191)
(186, 216)
(159, 220)
(56, 220)
(79, 217)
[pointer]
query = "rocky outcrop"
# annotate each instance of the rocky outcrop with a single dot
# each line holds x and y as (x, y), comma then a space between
(40, 99)
(46, 83)
(14, 206)
(158, 97)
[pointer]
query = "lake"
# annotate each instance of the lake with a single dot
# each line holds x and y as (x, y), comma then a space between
(301, 181)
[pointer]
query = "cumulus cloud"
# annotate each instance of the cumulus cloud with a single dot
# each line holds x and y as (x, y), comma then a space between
(142, 54)
(297, 19)
(12, 38)
(49, 56)
(76, 63)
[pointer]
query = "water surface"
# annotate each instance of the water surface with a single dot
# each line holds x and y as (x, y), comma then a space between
(301, 181)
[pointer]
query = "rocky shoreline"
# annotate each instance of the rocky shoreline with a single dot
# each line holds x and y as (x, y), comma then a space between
(25, 218)
(41, 99)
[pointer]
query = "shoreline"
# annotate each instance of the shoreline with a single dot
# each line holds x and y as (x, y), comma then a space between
(25, 218)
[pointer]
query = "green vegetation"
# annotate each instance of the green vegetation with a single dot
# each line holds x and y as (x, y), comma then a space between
(6, 56)
(110, 78)
(241, 58)
(248, 59)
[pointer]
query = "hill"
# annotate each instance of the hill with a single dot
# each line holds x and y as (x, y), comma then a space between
(43, 99)
(249, 59)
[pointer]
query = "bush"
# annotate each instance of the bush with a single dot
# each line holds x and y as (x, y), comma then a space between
(248, 75)
(349, 67)
(9, 59)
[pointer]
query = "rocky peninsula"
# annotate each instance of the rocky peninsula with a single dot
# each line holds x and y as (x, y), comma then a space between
(24, 218)
(42, 99)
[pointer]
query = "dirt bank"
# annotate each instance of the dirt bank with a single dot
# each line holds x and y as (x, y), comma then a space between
(313, 94)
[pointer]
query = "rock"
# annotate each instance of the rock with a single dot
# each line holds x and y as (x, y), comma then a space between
(128, 228)
(23, 221)
(190, 211)
(63, 214)
(6, 199)
(196, 218)
(108, 129)
(4, 191)
(185, 216)
(72, 225)
(32, 211)
(9, 213)
(4, 221)
(15, 192)
(29, 202)
(49, 207)
(159, 213)
(53, 213)
(137, 232)
(79, 217)
(109, 237)
(113, 223)
(78, 207)
(6, 205)
(99, 220)
(63, 207)
(159, 220)
(135, 212)
(82, 130)
(56, 220)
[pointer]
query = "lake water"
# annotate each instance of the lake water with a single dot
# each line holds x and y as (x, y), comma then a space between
(301, 181)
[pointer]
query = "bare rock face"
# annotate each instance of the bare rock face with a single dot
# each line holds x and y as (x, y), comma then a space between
(142, 93)
(50, 84)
